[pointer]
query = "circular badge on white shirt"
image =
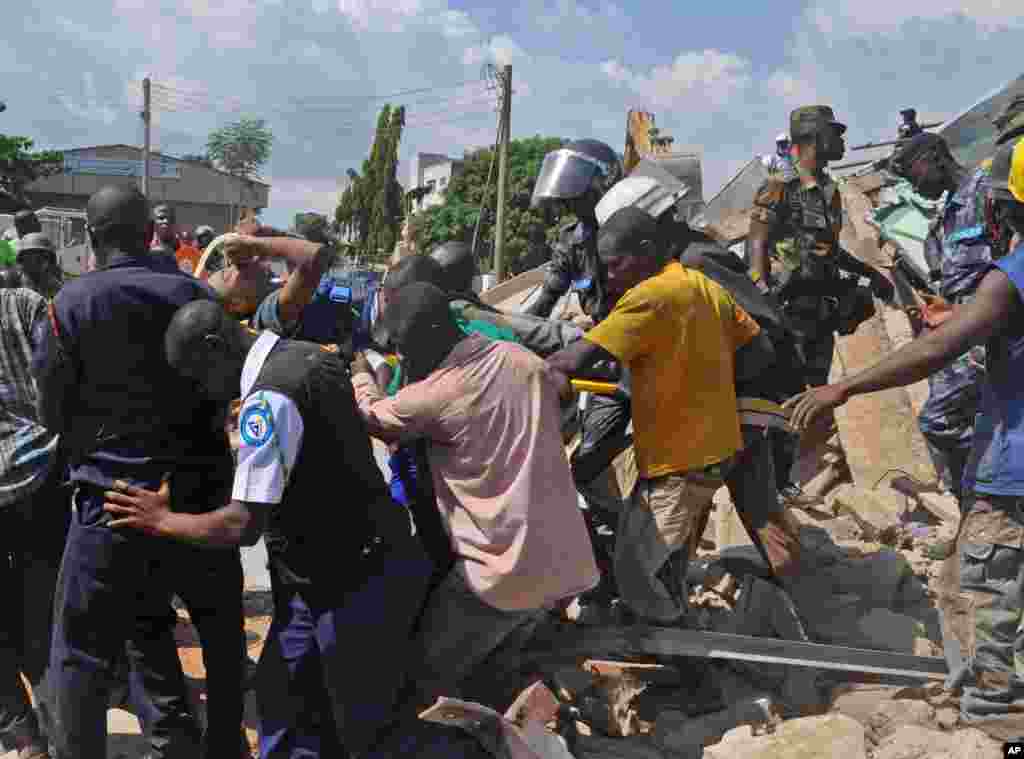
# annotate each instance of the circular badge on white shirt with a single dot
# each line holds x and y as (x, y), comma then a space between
(255, 426)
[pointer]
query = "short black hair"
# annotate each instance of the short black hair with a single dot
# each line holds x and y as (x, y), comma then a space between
(414, 268)
(190, 325)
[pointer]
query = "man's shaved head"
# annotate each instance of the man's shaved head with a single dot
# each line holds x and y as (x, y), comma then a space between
(205, 343)
(420, 326)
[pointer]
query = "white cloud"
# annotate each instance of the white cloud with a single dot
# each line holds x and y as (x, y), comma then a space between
(851, 17)
(791, 89)
(391, 13)
(711, 75)
(501, 50)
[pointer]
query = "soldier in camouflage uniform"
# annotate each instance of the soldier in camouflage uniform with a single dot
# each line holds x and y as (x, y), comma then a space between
(799, 221)
(958, 255)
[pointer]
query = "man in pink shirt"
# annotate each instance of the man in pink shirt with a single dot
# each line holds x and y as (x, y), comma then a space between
(490, 410)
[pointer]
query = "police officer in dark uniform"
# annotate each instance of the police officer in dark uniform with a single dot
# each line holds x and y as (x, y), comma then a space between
(578, 175)
(125, 415)
(800, 220)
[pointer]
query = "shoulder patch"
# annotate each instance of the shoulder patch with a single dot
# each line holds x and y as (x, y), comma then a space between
(256, 425)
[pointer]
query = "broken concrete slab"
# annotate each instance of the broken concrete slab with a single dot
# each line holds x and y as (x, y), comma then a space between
(916, 742)
(892, 716)
(832, 735)
(879, 431)
(877, 512)
(861, 701)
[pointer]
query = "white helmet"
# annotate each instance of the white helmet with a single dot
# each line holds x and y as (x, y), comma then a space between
(782, 138)
(649, 188)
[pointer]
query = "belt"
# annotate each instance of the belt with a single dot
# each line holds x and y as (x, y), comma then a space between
(758, 412)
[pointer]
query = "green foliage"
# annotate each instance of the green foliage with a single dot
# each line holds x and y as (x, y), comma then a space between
(527, 230)
(20, 165)
(242, 147)
(370, 210)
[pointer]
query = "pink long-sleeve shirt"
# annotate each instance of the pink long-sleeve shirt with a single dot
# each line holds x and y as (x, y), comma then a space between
(500, 472)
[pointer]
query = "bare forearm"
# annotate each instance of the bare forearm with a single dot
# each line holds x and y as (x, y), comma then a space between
(914, 362)
(296, 252)
(224, 528)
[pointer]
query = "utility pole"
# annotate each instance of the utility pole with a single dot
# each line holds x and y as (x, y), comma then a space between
(147, 119)
(504, 129)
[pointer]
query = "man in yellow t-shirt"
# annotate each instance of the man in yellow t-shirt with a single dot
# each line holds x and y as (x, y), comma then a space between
(677, 331)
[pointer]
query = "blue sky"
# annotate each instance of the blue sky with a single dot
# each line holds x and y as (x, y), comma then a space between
(720, 76)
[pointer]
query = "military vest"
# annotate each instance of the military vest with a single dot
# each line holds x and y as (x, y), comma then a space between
(810, 220)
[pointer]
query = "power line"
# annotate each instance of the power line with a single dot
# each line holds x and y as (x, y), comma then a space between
(176, 104)
(313, 102)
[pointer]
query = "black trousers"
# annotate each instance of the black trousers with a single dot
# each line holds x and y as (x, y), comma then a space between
(32, 535)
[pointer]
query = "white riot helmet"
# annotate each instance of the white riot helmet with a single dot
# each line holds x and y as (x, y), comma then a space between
(648, 187)
(782, 138)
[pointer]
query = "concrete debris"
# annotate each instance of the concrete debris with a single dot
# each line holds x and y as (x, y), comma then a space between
(892, 716)
(877, 512)
(859, 702)
(916, 742)
(947, 718)
(830, 735)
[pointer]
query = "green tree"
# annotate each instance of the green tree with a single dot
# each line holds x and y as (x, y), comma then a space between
(242, 147)
(20, 166)
(370, 209)
(527, 229)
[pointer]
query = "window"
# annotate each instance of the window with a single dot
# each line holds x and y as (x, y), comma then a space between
(444, 181)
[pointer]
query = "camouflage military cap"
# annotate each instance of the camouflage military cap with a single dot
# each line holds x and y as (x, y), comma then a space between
(812, 119)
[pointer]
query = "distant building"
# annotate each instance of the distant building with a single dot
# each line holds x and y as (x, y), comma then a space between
(200, 195)
(432, 172)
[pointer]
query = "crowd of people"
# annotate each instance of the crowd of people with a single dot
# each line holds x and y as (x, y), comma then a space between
(120, 489)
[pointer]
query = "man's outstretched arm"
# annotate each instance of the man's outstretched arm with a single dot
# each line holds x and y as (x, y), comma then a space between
(993, 305)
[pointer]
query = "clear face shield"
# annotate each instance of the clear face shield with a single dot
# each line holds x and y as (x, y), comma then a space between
(565, 175)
